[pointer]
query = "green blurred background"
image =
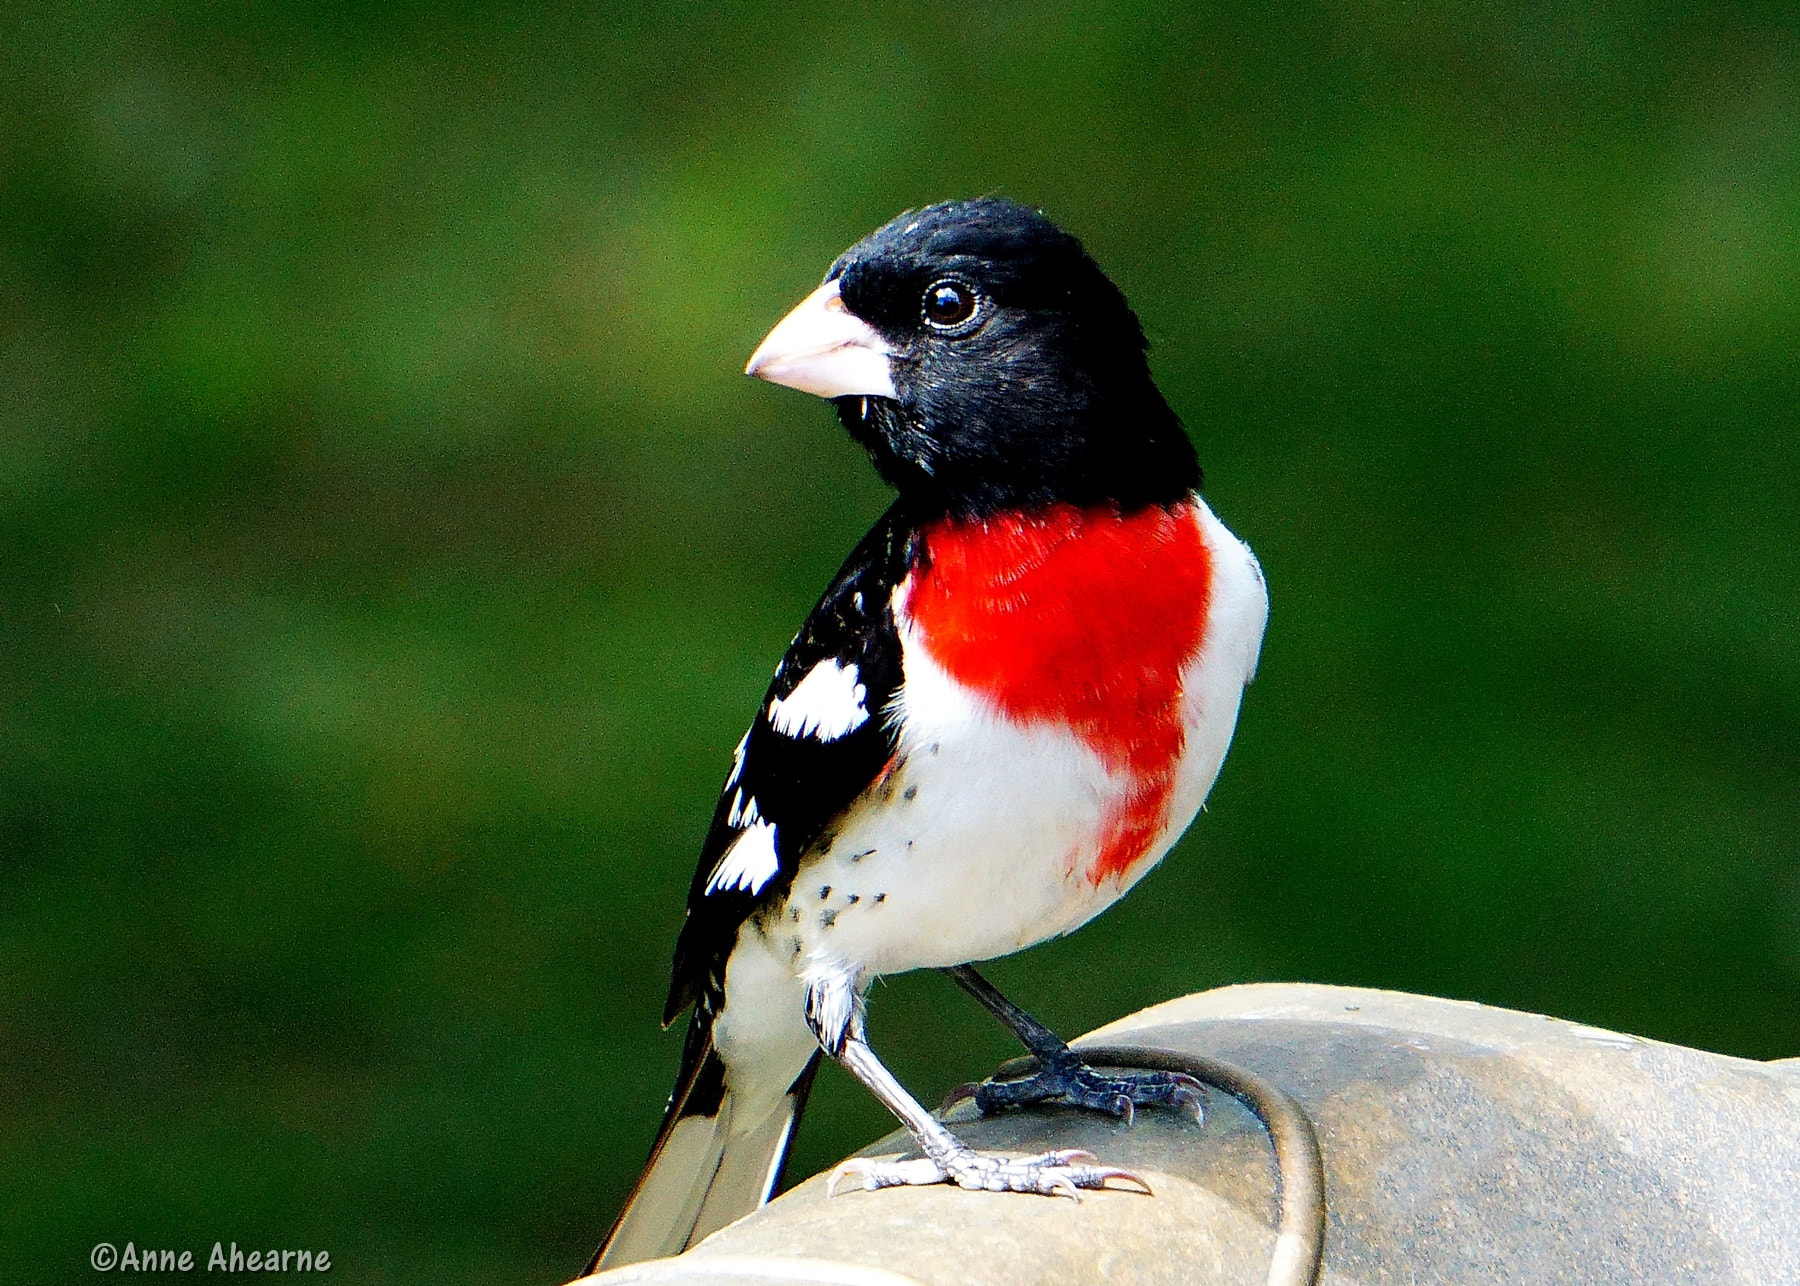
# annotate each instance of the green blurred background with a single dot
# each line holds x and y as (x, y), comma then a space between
(391, 551)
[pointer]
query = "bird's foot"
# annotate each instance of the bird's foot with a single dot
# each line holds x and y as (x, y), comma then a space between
(1050, 1174)
(1072, 1081)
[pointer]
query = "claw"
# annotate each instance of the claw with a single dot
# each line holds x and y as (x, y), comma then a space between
(844, 1171)
(876, 1175)
(962, 1093)
(1113, 1172)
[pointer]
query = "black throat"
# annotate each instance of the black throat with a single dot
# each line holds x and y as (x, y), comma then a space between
(1151, 462)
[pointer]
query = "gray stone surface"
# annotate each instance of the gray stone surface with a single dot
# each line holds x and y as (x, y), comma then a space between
(1462, 1144)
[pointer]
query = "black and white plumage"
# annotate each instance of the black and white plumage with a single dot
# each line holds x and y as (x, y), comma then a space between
(1003, 711)
(819, 738)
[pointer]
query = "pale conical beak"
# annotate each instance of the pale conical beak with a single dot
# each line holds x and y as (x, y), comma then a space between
(822, 347)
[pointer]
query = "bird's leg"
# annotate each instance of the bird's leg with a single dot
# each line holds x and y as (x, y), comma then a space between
(1061, 1074)
(834, 1011)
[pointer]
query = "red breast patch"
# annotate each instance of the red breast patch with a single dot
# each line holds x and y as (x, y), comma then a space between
(1083, 618)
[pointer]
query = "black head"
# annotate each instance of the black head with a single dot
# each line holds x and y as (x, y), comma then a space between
(1016, 370)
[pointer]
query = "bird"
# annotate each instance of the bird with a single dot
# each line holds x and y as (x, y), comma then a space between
(1007, 705)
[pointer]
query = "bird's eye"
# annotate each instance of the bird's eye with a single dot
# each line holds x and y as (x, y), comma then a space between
(948, 304)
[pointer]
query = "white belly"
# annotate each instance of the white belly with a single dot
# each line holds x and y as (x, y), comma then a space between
(981, 839)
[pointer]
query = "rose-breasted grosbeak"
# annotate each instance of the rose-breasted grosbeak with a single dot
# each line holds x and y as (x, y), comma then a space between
(1003, 711)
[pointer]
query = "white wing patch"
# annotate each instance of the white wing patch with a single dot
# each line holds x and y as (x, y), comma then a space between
(751, 861)
(826, 704)
(743, 810)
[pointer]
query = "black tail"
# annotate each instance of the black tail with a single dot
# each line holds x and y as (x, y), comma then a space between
(706, 1168)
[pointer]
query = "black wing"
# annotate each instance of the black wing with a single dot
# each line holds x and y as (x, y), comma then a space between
(788, 783)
